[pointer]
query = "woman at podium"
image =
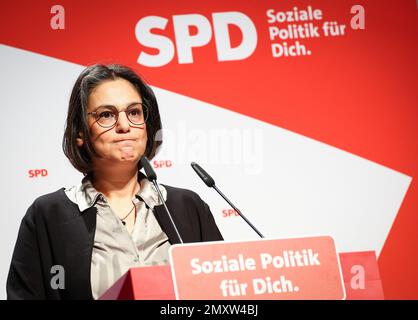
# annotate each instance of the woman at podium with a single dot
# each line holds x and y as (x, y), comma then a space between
(74, 243)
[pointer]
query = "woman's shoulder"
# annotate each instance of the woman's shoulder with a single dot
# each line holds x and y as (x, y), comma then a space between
(50, 198)
(180, 192)
(176, 195)
(50, 202)
(44, 207)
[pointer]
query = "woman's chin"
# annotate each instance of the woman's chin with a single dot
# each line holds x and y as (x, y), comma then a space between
(127, 153)
(129, 158)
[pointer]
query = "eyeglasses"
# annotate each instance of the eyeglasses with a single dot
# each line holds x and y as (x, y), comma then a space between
(107, 116)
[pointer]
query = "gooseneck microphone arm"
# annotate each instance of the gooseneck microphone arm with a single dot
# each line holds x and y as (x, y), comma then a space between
(238, 211)
(208, 180)
(152, 176)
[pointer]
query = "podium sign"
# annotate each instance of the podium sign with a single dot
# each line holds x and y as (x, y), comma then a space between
(298, 268)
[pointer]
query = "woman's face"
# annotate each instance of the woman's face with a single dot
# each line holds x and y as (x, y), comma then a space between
(124, 142)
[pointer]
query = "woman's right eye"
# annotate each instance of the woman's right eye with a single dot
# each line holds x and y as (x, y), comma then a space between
(106, 114)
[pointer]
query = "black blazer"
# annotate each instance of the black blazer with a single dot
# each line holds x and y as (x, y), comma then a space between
(54, 232)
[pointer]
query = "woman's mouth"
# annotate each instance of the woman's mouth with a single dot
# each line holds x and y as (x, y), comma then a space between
(125, 142)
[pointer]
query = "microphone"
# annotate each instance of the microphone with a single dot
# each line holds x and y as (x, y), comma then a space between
(152, 176)
(208, 180)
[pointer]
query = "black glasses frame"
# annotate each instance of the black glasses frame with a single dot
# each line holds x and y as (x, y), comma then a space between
(116, 112)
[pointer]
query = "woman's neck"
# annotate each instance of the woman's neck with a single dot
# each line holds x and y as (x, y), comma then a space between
(116, 183)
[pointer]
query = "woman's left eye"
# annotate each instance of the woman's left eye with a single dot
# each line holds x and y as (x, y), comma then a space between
(134, 112)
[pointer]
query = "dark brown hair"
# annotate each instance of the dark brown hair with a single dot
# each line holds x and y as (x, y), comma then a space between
(90, 78)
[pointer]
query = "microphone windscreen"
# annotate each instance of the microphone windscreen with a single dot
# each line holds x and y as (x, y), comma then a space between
(203, 175)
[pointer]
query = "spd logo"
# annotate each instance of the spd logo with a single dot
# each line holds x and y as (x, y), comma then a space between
(36, 173)
(148, 33)
(162, 164)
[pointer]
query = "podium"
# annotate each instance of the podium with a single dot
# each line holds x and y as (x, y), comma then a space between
(261, 269)
(143, 283)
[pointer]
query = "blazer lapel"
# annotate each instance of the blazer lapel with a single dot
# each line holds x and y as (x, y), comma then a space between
(166, 225)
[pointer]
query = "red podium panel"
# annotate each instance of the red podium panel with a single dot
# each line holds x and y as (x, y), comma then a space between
(361, 276)
(143, 283)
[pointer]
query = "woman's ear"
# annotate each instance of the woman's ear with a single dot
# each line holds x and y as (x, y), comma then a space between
(79, 140)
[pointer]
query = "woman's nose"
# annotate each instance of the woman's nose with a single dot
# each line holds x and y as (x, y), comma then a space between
(122, 125)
